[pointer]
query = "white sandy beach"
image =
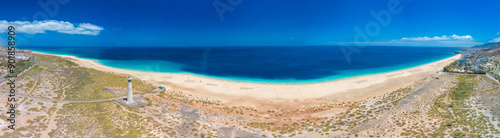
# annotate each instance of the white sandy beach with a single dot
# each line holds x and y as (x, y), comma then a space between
(240, 92)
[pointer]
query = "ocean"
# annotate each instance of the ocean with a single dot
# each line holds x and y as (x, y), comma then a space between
(260, 64)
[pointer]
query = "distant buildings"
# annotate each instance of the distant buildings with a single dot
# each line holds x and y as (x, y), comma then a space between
(483, 59)
(21, 54)
(473, 61)
(476, 68)
(462, 61)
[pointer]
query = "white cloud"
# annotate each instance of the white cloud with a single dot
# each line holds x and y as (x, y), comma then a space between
(465, 37)
(417, 43)
(438, 38)
(412, 43)
(451, 41)
(35, 27)
(425, 38)
(495, 39)
(498, 33)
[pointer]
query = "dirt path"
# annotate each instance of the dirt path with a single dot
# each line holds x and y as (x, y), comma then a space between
(76, 101)
(71, 101)
(34, 85)
(52, 122)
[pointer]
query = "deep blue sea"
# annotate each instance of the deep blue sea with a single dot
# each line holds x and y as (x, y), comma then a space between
(278, 64)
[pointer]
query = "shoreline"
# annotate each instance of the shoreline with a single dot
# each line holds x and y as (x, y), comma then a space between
(346, 74)
(348, 89)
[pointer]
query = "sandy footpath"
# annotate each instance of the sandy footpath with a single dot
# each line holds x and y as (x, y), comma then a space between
(240, 92)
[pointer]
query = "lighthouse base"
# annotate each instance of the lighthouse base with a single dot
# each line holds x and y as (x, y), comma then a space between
(139, 101)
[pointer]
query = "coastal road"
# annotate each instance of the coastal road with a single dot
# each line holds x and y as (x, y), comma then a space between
(75, 101)
(464, 73)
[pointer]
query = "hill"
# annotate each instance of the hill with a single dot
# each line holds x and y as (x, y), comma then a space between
(488, 45)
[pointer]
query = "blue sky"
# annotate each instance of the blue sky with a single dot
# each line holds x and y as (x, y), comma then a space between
(251, 22)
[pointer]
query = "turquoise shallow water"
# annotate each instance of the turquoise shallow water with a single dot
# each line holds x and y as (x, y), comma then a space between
(276, 65)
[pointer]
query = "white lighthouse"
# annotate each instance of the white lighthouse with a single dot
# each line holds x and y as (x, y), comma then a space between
(129, 91)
